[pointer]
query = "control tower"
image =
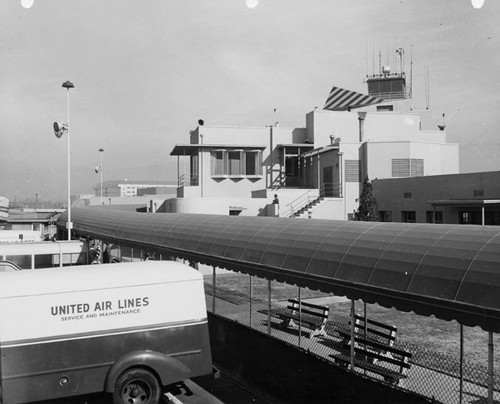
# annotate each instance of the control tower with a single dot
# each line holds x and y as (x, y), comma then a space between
(389, 85)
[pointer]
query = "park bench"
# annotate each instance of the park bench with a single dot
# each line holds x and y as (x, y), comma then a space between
(309, 315)
(379, 332)
(376, 357)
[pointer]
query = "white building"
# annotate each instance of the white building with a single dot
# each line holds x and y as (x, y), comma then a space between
(317, 169)
(126, 188)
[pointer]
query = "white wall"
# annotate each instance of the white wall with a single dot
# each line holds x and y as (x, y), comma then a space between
(438, 158)
(218, 206)
(339, 124)
(233, 135)
(383, 127)
(450, 158)
(331, 209)
(245, 136)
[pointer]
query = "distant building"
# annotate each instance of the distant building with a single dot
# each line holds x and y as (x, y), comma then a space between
(125, 188)
(472, 198)
(29, 225)
(163, 190)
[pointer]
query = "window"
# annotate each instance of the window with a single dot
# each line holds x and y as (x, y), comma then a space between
(385, 216)
(352, 171)
(236, 162)
(478, 193)
(253, 162)
(429, 216)
(218, 162)
(383, 108)
(407, 195)
(45, 260)
(432, 216)
(407, 167)
(408, 216)
(467, 217)
(24, 261)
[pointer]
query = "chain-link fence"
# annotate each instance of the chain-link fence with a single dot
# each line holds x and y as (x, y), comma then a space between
(441, 360)
(417, 353)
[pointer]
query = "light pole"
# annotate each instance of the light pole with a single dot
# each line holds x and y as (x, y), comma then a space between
(69, 85)
(101, 150)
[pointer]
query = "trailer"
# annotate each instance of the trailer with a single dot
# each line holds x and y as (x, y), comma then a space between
(127, 329)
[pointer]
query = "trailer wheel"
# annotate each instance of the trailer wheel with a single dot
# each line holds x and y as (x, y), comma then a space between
(137, 386)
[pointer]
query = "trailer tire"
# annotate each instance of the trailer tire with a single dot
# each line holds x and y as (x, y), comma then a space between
(137, 386)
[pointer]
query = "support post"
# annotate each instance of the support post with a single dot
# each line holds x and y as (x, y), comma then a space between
(269, 306)
(178, 173)
(213, 291)
(365, 330)
(461, 363)
(250, 293)
(353, 318)
(300, 318)
(70, 224)
(490, 367)
(319, 177)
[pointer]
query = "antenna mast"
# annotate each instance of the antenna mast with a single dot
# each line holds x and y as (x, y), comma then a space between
(379, 62)
(427, 88)
(410, 91)
(401, 52)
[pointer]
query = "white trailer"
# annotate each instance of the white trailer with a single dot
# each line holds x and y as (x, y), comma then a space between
(126, 328)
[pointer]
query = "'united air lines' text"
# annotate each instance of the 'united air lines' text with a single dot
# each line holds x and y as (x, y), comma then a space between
(79, 311)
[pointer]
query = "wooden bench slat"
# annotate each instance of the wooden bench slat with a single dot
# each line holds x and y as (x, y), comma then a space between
(372, 332)
(304, 318)
(314, 319)
(305, 311)
(403, 362)
(376, 323)
(371, 367)
(378, 345)
(308, 304)
(346, 333)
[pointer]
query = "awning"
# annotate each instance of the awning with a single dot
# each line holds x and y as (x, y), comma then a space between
(449, 271)
(465, 202)
(193, 149)
(301, 145)
(340, 99)
(319, 150)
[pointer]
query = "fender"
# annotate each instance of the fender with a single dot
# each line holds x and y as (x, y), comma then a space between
(168, 369)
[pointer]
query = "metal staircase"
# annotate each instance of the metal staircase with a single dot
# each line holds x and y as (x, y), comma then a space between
(305, 209)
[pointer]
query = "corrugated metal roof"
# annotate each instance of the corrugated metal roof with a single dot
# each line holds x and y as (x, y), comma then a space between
(449, 271)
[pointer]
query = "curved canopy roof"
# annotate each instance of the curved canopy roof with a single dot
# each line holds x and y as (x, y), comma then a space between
(450, 271)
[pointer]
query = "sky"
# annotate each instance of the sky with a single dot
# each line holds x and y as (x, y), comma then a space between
(146, 71)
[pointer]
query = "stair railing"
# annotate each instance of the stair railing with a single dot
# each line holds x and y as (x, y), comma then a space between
(299, 203)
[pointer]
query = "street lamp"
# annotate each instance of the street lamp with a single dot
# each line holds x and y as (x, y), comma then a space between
(101, 150)
(59, 130)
